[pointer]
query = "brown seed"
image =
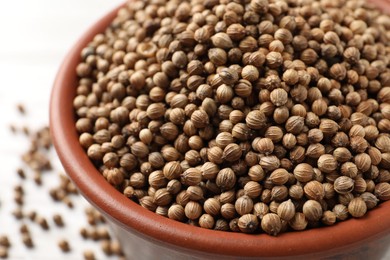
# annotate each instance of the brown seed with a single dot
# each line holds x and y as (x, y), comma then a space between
(226, 179)
(328, 126)
(329, 218)
(314, 190)
(89, 255)
(42, 222)
(327, 163)
(176, 212)
(64, 245)
(269, 163)
(383, 143)
(232, 152)
(312, 210)
(279, 176)
(199, 118)
(315, 150)
(289, 141)
(343, 185)
(295, 124)
(250, 73)
(162, 197)
(172, 170)
(286, 210)
(382, 191)
(244, 205)
(206, 221)
(279, 97)
(193, 210)
(248, 223)
(279, 193)
(359, 144)
(370, 199)
(341, 211)
(271, 224)
(4, 241)
(304, 172)
(3, 252)
(357, 207)
(58, 220)
(27, 240)
(296, 192)
(342, 154)
(298, 222)
(363, 162)
(349, 169)
(191, 177)
(263, 145)
(256, 120)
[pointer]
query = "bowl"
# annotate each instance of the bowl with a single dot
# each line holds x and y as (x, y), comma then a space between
(146, 235)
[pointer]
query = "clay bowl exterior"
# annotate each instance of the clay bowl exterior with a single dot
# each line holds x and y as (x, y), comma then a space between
(146, 235)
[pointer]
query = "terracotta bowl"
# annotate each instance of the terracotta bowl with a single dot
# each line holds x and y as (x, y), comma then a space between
(146, 235)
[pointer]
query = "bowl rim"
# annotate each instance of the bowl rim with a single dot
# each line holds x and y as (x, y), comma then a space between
(133, 217)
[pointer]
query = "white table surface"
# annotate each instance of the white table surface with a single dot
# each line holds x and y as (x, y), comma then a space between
(35, 35)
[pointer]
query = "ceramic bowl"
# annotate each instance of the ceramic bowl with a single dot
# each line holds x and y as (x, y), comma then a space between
(146, 235)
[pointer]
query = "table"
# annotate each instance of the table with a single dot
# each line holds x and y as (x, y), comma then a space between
(35, 37)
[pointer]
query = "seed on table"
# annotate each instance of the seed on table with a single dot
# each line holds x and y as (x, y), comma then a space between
(58, 220)
(37, 177)
(24, 229)
(27, 240)
(13, 128)
(3, 252)
(4, 241)
(64, 245)
(26, 130)
(106, 247)
(18, 213)
(89, 255)
(103, 233)
(31, 215)
(21, 108)
(21, 173)
(42, 222)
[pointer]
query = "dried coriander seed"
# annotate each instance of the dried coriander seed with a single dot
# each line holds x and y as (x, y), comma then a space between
(357, 207)
(64, 245)
(248, 223)
(3, 252)
(271, 224)
(312, 210)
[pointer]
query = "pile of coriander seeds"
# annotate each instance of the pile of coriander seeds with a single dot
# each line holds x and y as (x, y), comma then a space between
(247, 116)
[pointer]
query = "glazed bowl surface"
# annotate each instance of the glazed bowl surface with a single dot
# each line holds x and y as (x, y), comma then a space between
(146, 235)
